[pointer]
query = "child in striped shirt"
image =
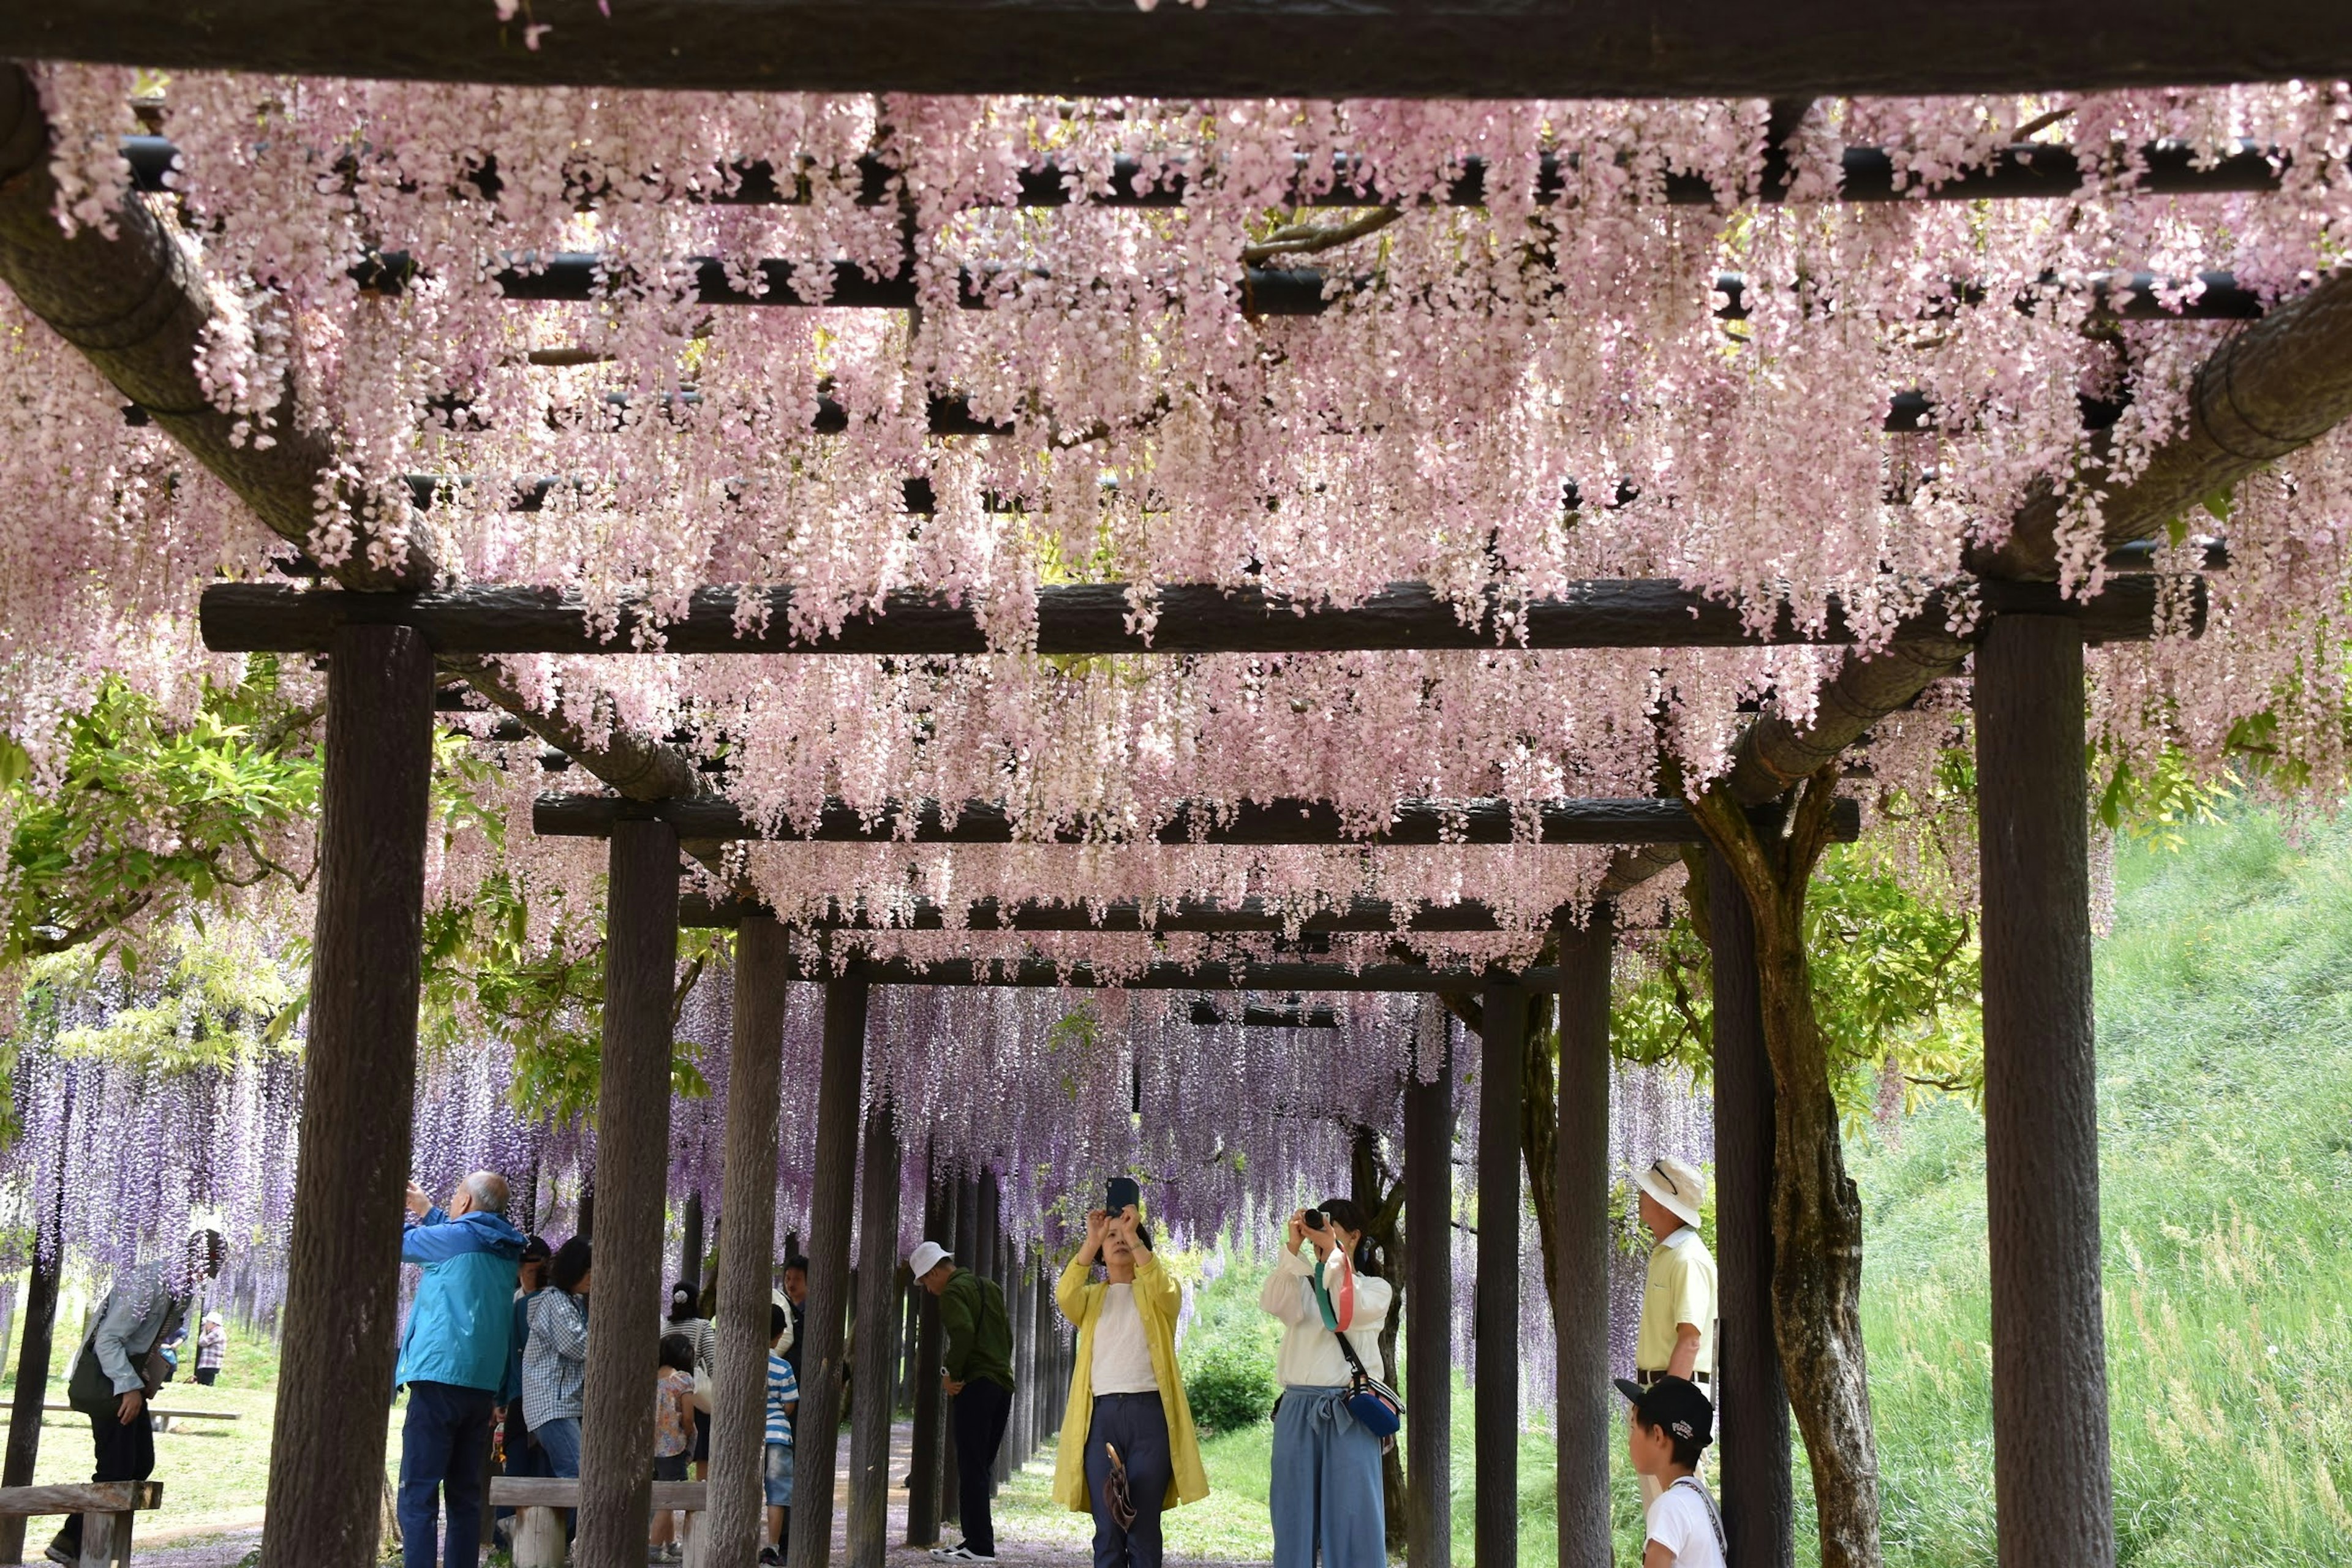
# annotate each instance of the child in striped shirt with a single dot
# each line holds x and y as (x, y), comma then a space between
(784, 1404)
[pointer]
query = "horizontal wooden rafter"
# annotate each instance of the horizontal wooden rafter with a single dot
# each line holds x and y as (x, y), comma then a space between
(1167, 975)
(1125, 917)
(1260, 1015)
(1307, 822)
(1096, 618)
(2025, 171)
(1240, 49)
(581, 277)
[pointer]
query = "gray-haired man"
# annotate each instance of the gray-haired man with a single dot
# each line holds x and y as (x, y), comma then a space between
(117, 1369)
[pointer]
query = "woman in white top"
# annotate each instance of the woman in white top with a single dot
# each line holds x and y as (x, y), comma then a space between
(1325, 1489)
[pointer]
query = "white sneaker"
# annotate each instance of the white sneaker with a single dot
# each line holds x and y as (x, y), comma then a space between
(961, 1553)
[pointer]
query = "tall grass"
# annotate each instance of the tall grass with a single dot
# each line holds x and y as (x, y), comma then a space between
(2225, 1125)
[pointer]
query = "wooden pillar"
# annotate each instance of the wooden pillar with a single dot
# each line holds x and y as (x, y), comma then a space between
(2051, 1485)
(40, 1335)
(341, 1317)
(1018, 1304)
(1494, 1403)
(964, 1245)
(1429, 1299)
(739, 1413)
(616, 1420)
(1586, 1402)
(930, 1404)
(690, 1252)
(874, 1385)
(839, 1080)
(1752, 1438)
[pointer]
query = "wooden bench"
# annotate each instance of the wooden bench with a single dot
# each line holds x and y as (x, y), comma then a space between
(106, 1509)
(163, 1417)
(539, 1503)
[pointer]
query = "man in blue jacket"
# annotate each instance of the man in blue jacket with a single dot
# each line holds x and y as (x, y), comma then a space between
(454, 1360)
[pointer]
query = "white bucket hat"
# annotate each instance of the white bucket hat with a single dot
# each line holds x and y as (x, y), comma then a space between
(1676, 1185)
(925, 1257)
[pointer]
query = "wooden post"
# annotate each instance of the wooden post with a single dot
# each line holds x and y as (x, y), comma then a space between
(923, 1467)
(616, 1422)
(964, 1245)
(1018, 1304)
(1586, 1402)
(690, 1252)
(1752, 1438)
(1494, 1403)
(871, 1407)
(343, 1284)
(40, 1335)
(731, 1530)
(2050, 1484)
(1429, 1299)
(839, 1083)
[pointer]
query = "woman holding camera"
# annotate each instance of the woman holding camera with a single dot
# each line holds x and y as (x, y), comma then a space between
(1127, 1449)
(1326, 1490)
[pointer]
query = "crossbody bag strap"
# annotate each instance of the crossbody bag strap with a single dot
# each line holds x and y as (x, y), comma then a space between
(1714, 1518)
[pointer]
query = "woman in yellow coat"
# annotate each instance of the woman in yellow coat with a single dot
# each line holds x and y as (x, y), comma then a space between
(1128, 1426)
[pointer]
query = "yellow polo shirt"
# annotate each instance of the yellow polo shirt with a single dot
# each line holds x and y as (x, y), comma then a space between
(1680, 1289)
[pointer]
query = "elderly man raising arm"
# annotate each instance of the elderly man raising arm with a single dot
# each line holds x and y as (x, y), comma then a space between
(452, 1360)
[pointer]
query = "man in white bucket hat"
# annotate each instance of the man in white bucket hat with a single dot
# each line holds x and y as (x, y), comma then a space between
(1678, 1298)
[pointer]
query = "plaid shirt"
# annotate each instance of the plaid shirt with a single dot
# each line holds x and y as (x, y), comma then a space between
(555, 1360)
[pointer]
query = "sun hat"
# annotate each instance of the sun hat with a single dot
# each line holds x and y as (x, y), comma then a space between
(1675, 1403)
(1676, 1183)
(927, 1256)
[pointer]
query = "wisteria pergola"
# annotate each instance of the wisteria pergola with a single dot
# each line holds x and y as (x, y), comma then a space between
(2037, 512)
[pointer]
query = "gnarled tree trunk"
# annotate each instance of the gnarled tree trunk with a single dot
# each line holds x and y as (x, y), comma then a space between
(1380, 1196)
(1816, 1212)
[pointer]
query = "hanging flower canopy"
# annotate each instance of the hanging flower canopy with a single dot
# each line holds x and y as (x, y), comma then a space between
(627, 345)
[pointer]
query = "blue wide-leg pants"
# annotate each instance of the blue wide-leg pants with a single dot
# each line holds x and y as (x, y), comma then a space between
(1325, 1487)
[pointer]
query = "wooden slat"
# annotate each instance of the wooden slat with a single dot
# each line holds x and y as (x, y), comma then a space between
(556, 1491)
(81, 1497)
(1247, 48)
(1169, 976)
(1095, 618)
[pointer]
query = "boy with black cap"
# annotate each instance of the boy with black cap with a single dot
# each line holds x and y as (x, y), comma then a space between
(1672, 1424)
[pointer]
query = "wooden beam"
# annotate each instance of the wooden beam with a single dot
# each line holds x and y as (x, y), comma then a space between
(1127, 916)
(746, 1245)
(1254, 1015)
(2023, 171)
(633, 1093)
(1097, 618)
(358, 1071)
(1237, 49)
(1495, 1390)
(2051, 1479)
(840, 1078)
(1411, 822)
(1429, 1295)
(1752, 1443)
(1282, 974)
(1583, 1400)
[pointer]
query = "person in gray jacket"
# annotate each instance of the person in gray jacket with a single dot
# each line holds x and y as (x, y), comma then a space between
(117, 1369)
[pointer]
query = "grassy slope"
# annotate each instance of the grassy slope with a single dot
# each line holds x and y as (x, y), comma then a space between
(2225, 1034)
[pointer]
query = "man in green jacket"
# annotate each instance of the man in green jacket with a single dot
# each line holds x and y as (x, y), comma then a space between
(977, 1371)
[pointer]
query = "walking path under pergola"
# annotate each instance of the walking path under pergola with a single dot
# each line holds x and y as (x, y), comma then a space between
(134, 305)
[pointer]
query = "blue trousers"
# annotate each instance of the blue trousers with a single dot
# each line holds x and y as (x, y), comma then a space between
(1137, 1425)
(1325, 1489)
(444, 1452)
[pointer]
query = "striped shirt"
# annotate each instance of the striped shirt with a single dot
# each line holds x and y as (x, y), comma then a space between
(784, 1389)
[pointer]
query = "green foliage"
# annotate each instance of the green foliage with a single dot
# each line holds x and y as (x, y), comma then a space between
(146, 823)
(1227, 1356)
(217, 995)
(1894, 977)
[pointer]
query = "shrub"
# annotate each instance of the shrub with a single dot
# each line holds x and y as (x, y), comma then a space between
(1228, 1380)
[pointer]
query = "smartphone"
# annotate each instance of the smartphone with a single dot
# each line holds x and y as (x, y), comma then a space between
(1124, 1194)
(1312, 1219)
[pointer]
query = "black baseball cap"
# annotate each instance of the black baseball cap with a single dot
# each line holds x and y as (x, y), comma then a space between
(1675, 1403)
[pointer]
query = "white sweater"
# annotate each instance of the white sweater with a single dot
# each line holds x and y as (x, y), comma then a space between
(1309, 1357)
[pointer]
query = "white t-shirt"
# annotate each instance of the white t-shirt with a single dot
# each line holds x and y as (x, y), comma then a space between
(1122, 1362)
(1684, 1522)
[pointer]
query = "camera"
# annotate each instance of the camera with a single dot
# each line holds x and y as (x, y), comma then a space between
(1312, 1219)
